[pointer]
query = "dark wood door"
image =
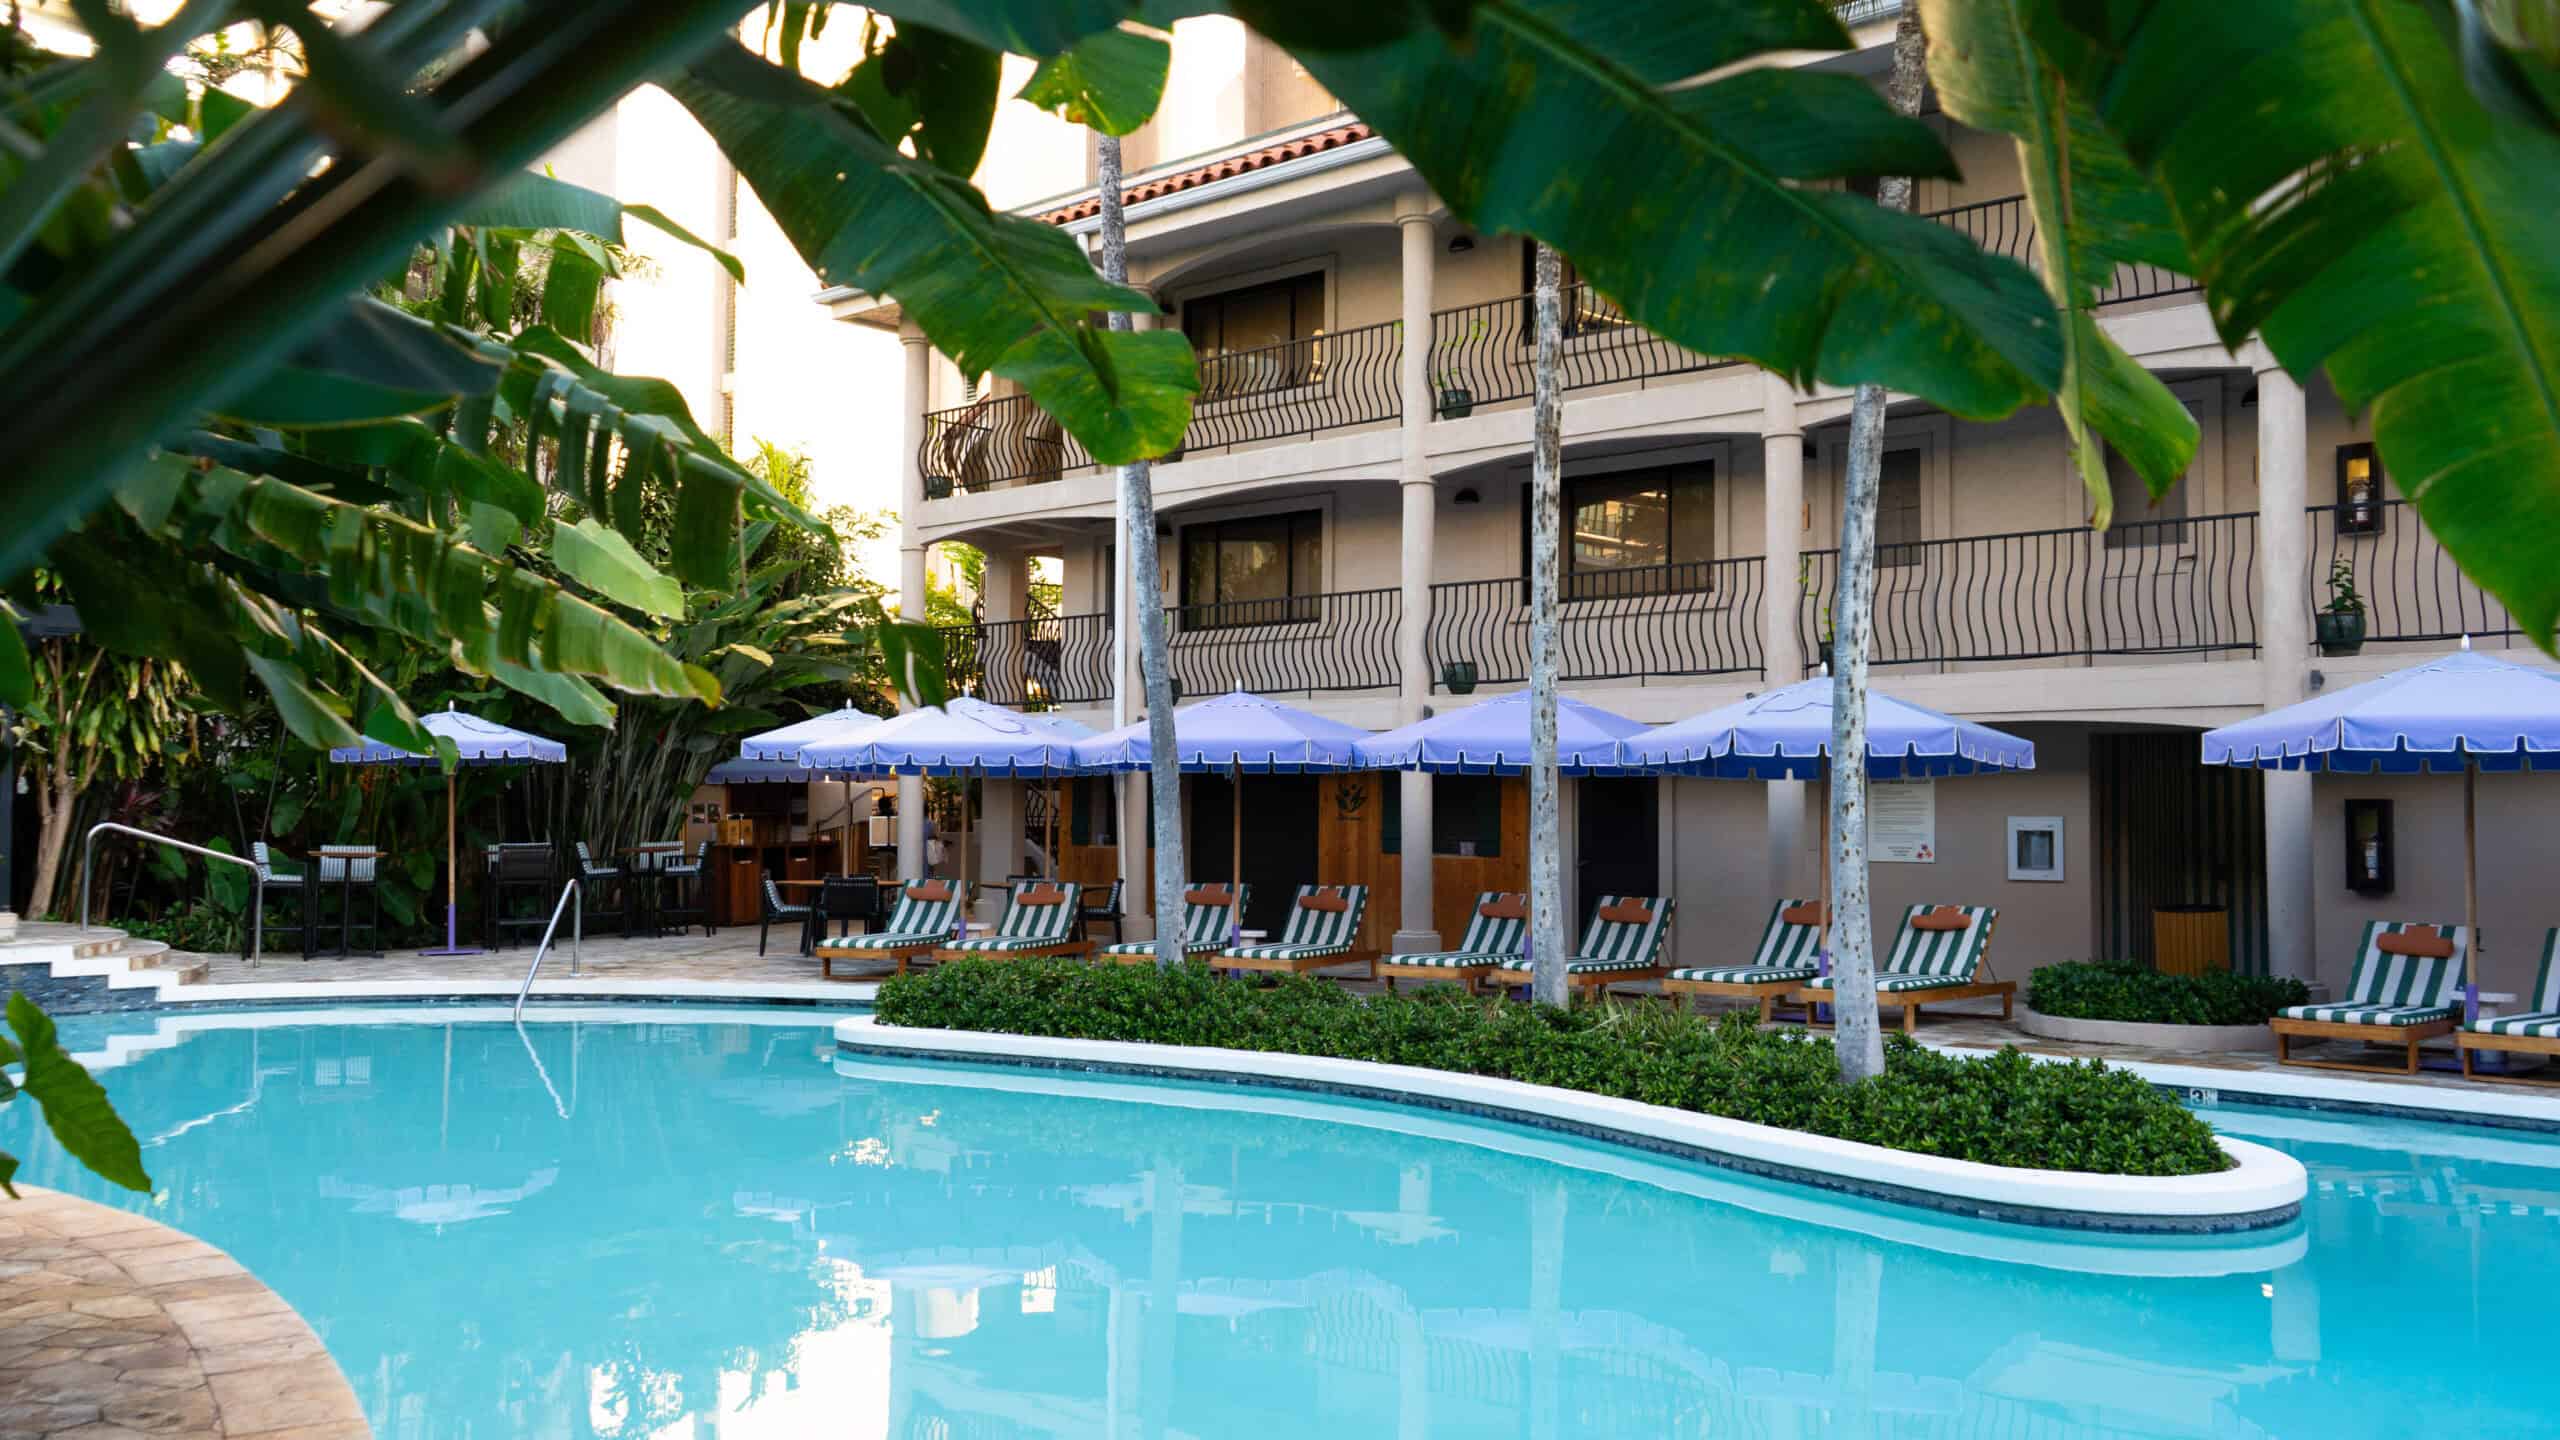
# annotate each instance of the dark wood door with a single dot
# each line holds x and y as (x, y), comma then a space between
(1279, 841)
(1617, 842)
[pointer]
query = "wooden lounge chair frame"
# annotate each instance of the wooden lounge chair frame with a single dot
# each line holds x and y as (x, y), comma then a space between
(2467, 1042)
(1044, 893)
(828, 955)
(2404, 1038)
(1767, 993)
(1325, 897)
(1197, 895)
(1910, 1001)
(1506, 906)
(1621, 910)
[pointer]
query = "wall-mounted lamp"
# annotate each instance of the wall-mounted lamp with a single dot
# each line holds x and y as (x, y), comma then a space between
(1461, 244)
(1164, 531)
(1467, 496)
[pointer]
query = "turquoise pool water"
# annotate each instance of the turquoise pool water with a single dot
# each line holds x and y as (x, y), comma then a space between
(650, 1224)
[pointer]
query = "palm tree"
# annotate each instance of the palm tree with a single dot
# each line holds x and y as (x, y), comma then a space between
(1853, 958)
(1155, 662)
(1546, 860)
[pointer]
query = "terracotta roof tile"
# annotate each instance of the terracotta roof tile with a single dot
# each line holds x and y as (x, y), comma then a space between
(1221, 169)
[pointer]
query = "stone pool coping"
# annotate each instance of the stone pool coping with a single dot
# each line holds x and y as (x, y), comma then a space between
(2203, 1039)
(116, 1325)
(2264, 1188)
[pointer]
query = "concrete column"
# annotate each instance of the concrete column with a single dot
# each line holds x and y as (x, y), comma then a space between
(1128, 701)
(1781, 645)
(911, 547)
(1004, 597)
(1415, 930)
(2284, 655)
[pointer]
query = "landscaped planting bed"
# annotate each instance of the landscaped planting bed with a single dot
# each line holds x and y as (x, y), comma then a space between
(2132, 992)
(2001, 1109)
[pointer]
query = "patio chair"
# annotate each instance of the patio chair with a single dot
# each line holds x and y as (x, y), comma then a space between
(1622, 942)
(2406, 988)
(1493, 935)
(1784, 961)
(1039, 919)
(843, 900)
(1324, 925)
(2534, 1030)
(345, 871)
(522, 873)
(1937, 956)
(691, 905)
(777, 908)
(1100, 908)
(1204, 926)
(923, 923)
(280, 882)
(594, 879)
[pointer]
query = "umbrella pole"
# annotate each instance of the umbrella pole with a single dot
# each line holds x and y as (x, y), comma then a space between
(1235, 853)
(2471, 888)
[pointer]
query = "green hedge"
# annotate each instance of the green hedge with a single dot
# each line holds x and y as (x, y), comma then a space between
(2000, 1109)
(2132, 991)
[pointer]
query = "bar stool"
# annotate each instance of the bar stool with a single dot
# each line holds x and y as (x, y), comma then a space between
(687, 873)
(595, 877)
(281, 883)
(348, 868)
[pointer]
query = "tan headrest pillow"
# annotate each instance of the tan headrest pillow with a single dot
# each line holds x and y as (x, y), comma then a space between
(1324, 900)
(1801, 915)
(1040, 895)
(1943, 917)
(1626, 912)
(2425, 942)
(1208, 895)
(929, 890)
(1509, 907)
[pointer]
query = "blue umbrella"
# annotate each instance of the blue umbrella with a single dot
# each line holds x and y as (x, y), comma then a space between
(475, 742)
(786, 743)
(1491, 737)
(756, 772)
(961, 736)
(2463, 712)
(1234, 734)
(1785, 734)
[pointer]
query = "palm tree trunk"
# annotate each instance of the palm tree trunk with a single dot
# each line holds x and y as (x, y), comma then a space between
(1146, 604)
(1860, 1041)
(1547, 981)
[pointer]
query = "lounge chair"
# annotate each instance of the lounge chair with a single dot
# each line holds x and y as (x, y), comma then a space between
(2407, 988)
(1324, 925)
(2532, 1030)
(1205, 923)
(1039, 919)
(1493, 936)
(1623, 942)
(919, 926)
(1785, 960)
(1938, 955)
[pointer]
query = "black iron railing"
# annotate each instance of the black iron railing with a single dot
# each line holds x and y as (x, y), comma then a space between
(1858, 12)
(2411, 588)
(2006, 227)
(1662, 620)
(1298, 387)
(1484, 353)
(1342, 640)
(2145, 587)
(1035, 663)
(990, 441)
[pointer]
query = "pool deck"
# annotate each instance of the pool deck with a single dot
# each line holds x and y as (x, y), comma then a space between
(699, 968)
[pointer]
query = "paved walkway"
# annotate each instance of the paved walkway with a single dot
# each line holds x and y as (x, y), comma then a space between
(114, 1326)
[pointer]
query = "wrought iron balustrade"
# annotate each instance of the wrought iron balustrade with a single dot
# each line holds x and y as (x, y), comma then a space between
(1701, 618)
(1341, 640)
(991, 441)
(1298, 387)
(2006, 227)
(2145, 587)
(2411, 588)
(1489, 350)
(1033, 664)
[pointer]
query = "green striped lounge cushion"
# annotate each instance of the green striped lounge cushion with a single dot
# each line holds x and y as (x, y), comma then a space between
(1489, 940)
(1786, 952)
(2540, 1017)
(1930, 959)
(1614, 947)
(1204, 927)
(1031, 927)
(1313, 933)
(915, 922)
(2393, 990)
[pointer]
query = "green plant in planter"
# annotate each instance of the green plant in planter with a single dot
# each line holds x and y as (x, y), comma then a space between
(1804, 586)
(2130, 992)
(2341, 621)
(1456, 401)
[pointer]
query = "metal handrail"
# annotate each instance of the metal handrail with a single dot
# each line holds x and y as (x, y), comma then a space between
(258, 893)
(577, 942)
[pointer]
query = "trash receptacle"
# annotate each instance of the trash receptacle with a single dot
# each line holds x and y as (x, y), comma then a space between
(2190, 939)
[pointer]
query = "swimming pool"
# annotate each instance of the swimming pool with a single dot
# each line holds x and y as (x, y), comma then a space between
(644, 1222)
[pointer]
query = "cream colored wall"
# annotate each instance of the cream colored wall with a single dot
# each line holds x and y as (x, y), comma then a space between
(2517, 902)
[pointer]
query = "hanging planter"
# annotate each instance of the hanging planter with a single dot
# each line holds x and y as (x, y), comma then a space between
(1457, 403)
(1459, 676)
(2341, 632)
(937, 487)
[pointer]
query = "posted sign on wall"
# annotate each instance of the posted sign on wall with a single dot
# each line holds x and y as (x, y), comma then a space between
(1902, 821)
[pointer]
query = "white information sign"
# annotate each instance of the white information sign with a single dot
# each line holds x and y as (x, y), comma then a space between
(1902, 821)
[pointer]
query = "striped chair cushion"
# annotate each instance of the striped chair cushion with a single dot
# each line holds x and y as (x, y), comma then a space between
(1446, 959)
(2393, 983)
(1951, 956)
(1746, 974)
(918, 917)
(1584, 965)
(1788, 947)
(1148, 947)
(2351, 1013)
(999, 944)
(1311, 933)
(1887, 984)
(334, 868)
(1036, 924)
(1493, 934)
(890, 940)
(2541, 1024)
(1611, 947)
(1204, 927)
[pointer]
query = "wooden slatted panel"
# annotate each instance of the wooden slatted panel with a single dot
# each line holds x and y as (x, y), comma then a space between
(2174, 831)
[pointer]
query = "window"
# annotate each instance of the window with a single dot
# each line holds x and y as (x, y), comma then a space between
(1095, 816)
(1898, 528)
(1635, 532)
(1257, 570)
(2035, 847)
(2140, 522)
(1584, 309)
(1235, 333)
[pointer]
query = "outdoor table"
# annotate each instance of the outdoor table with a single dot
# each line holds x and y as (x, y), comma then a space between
(346, 888)
(635, 870)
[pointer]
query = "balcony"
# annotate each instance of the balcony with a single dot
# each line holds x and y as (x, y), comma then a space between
(1660, 621)
(2412, 590)
(1034, 664)
(1344, 640)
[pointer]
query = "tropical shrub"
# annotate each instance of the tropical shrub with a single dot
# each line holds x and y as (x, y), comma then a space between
(1999, 1109)
(2131, 991)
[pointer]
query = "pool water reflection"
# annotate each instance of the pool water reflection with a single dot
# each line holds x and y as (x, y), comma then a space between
(705, 1224)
